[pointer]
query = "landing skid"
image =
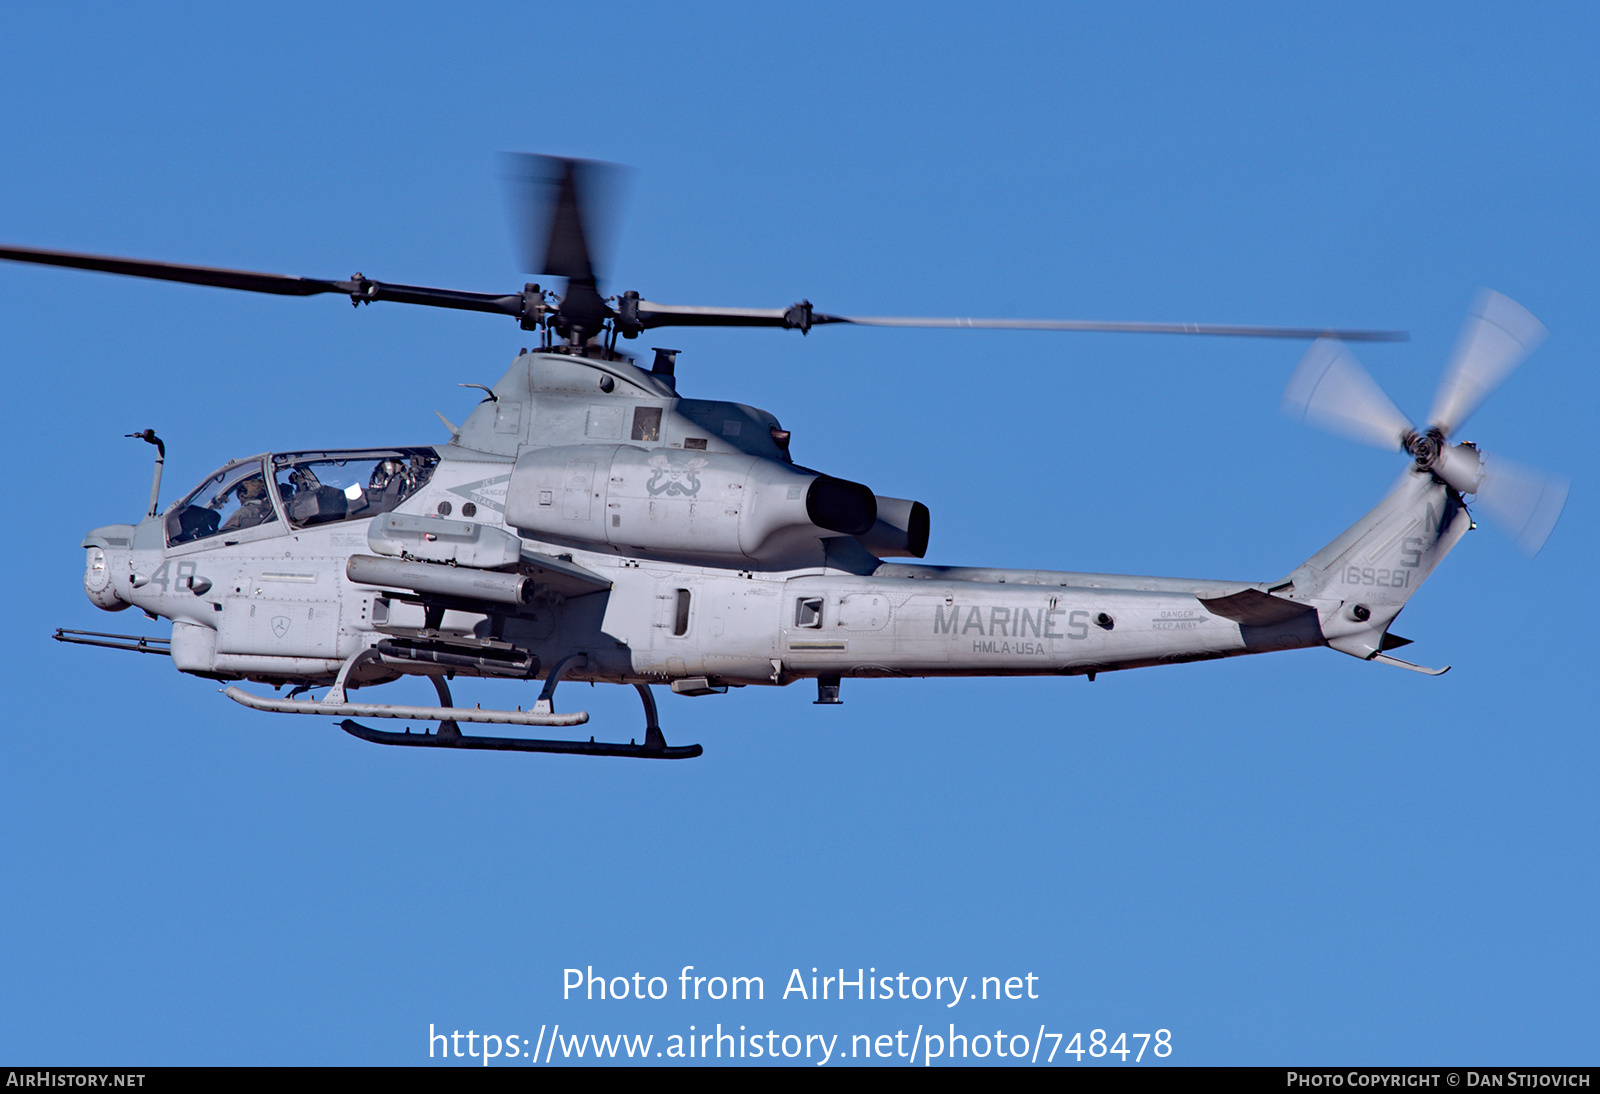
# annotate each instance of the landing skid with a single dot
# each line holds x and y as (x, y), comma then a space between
(449, 716)
(655, 746)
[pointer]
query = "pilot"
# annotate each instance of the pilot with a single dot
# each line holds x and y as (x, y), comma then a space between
(254, 505)
(417, 473)
(387, 486)
(383, 474)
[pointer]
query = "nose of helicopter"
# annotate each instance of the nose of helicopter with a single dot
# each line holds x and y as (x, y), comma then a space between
(106, 556)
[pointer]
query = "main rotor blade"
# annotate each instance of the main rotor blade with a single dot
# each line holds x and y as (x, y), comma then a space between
(802, 316)
(358, 289)
(1331, 389)
(1497, 335)
(571, 263)
(1524, 503)
(1218, 329)
(172, 271)
(564, 210)
(653, 315)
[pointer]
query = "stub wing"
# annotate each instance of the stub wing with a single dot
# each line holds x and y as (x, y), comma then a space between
(563, 576)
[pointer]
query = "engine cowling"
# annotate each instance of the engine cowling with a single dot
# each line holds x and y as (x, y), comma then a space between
(728, 507)
(901, 530)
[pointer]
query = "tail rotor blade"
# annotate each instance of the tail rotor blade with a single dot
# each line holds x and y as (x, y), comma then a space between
(1332, 390)
(1524, 503)
(1497, 335)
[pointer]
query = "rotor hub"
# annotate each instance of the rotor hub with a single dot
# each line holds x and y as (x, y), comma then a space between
(1425, 447)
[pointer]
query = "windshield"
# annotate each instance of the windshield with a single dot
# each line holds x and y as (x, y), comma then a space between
(232, 500)
(323, 487)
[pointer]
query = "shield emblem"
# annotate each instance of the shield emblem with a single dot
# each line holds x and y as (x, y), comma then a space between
(280, 625)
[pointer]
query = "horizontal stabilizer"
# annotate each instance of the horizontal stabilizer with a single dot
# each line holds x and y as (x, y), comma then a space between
(1254, 608)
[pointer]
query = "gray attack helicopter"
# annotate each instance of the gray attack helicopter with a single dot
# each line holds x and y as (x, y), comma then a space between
(585, 522)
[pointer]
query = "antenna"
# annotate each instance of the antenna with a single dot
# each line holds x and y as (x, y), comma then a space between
(149, 437)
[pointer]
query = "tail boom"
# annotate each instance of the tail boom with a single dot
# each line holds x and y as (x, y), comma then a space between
(915, 620)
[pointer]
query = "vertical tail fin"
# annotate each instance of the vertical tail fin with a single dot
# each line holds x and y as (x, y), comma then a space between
(1360, 581)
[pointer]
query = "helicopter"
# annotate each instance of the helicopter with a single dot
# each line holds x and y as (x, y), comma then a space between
(585, 522)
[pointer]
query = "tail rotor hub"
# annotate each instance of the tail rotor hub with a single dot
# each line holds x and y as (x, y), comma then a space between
(1425, 447)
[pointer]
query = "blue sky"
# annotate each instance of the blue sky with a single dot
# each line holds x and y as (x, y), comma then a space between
(1297, 858)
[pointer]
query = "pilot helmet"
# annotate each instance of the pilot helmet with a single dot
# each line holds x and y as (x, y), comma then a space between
(386, 470)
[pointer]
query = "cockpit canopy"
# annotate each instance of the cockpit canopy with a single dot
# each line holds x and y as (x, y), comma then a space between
(323, 487)
(232, 500)
(305, 489)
